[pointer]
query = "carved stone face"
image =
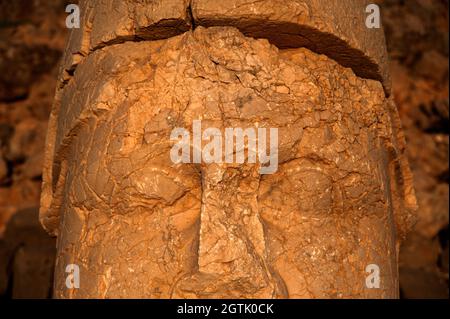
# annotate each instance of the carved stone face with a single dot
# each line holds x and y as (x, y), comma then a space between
(140, 225)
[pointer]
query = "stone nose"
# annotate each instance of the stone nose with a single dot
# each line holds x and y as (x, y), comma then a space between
(231, 231)
(232, 244)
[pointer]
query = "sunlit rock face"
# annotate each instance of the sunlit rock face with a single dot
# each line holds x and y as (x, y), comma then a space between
(140, 225)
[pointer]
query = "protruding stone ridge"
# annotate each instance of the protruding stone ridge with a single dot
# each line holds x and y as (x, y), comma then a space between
(334, 28)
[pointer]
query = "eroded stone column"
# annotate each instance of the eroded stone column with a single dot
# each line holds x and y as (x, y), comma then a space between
(140, 225)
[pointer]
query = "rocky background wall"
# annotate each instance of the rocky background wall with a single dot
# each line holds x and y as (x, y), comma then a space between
(32, 35)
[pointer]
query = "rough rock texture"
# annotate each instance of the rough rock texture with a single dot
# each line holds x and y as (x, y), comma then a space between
(31, 37)
(335, 28)
(339, 200)
(117, 21)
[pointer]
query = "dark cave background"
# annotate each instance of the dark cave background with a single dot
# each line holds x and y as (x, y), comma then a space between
(32, 35)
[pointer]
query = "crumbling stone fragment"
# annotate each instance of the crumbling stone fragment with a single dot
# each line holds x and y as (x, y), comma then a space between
(335, 28)
(108, 22)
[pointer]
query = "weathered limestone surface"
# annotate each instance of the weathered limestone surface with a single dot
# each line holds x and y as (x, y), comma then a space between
(335, 28)
(108, 22)
(139, 225)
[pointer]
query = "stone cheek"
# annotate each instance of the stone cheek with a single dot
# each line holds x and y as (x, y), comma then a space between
(141, 226)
